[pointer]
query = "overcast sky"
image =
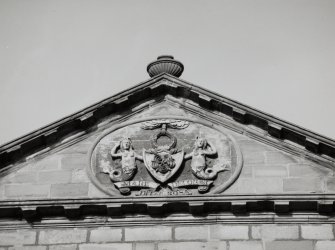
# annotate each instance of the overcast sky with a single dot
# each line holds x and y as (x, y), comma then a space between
(57, 57)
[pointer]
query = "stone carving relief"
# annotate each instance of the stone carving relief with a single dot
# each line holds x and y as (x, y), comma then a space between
(202, 149)
(171, 157)
(163, 161)
(128, 167)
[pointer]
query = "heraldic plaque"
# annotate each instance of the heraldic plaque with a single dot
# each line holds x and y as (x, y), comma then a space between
(164, 157)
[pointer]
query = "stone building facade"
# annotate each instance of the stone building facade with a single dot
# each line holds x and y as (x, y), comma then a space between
(168, 165)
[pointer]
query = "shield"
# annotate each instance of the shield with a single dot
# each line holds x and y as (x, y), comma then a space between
(162, 165)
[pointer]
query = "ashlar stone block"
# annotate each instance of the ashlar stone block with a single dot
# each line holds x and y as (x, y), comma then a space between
(250, 245)
(229, 232)
(20, 237)
(193, 246)
(318, 232)
(63, 247)
(275, 232)
(148, 234)
(27, 190)
(289, 244)
(306, 184)
(144, 246)
(62, 236)
(110, 246)
(191, 233)
(69, 190)
(325, 245)
(28, 248)
(106, 235)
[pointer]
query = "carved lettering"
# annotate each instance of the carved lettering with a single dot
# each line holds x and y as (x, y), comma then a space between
(144, 184)
(177, 192)
(187, 183)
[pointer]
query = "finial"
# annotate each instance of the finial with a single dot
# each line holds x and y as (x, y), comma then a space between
(165, 64)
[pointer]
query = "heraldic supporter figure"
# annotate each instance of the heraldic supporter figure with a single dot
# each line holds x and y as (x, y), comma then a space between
(201, 149)
(128, 161)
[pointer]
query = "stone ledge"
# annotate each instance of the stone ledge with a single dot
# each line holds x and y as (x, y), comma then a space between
(35, 210)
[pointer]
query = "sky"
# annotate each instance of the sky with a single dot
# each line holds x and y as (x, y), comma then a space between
(57, 57)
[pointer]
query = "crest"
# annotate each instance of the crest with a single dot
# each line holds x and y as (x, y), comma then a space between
(162, 165)
(164, 157)
(163, 161)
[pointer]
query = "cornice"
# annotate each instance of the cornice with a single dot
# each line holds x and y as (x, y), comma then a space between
(255, 209)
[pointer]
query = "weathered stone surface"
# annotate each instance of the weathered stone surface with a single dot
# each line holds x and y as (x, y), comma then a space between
(144, 246)
(75, 161)
(330, 182)
(22, 177)
(19, 237)
(270, 171)
(52, 177)
(94, 192)
(278, 157)
(26, 190)
(268, 185)
(247, 171)
(233, 189)
(249, 245)
(250, 147)
(296, 245)
(306, 170)
(62, 236)
(245, 185)
(271, 232)
(264, 185)
(69, 190)
(63, 247)
(145, 233)
(28, 248)
(49, 163)
(226, 232)
(193, 246)
(191, 233)
(80, 175)
(254, 158)
(110, 246)
(325, 245)
(303, 184)
(317, 232)
(79, 148)
(106, 235)
(2, 191)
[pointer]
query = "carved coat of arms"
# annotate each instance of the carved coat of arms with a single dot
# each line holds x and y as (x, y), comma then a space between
(163, 161)
(170, 161)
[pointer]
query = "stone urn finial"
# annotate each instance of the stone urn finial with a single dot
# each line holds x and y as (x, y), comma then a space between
(165, 64)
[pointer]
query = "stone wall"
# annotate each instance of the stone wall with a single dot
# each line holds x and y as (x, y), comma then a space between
(221, 237)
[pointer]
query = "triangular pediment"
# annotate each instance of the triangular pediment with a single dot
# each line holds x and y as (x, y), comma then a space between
(256, 154)
(157, 88)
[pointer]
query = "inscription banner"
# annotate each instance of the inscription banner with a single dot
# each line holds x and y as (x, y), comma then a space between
(187, 183)
(144, 184)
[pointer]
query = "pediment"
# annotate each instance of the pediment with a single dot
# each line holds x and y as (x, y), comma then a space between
(188, 96)
(248, 157)
(246, 163)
